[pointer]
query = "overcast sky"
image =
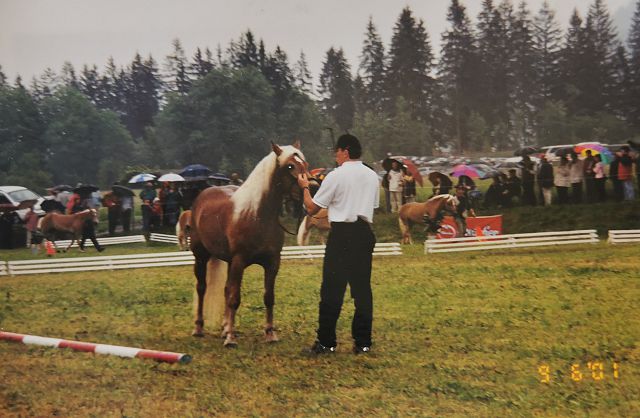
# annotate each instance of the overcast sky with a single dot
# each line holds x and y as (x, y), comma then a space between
(36, 34)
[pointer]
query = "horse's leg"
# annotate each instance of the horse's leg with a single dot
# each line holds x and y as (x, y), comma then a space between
(270, 273)
(232, 296)
(404, 229)
(73, 239)
(200, 270)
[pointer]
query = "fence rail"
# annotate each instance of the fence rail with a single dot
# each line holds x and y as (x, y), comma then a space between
(165, 259)
(621, 236)
(536, 239)
(127, 239)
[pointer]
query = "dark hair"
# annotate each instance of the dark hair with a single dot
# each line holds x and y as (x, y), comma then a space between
(351, 144)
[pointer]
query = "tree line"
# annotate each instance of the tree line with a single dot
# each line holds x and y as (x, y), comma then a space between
(511, 78)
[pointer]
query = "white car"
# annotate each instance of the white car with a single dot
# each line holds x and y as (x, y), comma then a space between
(16, 194)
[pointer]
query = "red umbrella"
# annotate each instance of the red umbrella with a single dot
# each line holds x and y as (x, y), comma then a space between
(413, 170)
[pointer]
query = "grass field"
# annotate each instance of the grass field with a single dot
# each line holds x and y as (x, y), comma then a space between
(453, 336)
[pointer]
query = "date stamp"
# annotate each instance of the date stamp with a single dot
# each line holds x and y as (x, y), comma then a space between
(578, 372)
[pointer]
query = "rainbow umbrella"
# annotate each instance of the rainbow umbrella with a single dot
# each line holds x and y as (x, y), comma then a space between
(595, 149)
(467, 170)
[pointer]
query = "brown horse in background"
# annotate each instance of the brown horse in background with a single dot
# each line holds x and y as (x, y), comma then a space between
(242, 230)
(320, 221)
(434, 208)
(54, 222)
(183, 230)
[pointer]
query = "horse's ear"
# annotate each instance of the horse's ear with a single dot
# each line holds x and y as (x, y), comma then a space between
(296, 144)
(276, 149)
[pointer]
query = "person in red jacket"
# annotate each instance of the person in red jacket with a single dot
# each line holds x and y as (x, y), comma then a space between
(624, 173)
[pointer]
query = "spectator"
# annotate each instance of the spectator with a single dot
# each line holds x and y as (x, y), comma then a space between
(34, 238)
(493, 197)
(545, 179)
(172, 206)
(513, 187)
(625, 175)
(562, 180)
(147, 195)
(463, 210)
(236, 180)
(114, 210)
(74, 205)
(576, 176)
(589, 164)
(598, 171)
(395, 186)
(156, 214)
(409, 186)
(528, 180)
(126, 209)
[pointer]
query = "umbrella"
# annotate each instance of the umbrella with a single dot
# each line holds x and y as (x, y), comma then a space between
(411, 167)
(122, 190)
(525, 151)
(595, 149)
(85, 189)
(171, 177)
(142, 178)
(444, 179)
(196, 170)
(49, 205)
(219, 177)
(61, 188)
(467, 170)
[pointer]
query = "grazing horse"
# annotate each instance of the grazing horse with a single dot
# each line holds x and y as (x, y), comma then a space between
(241, 230)
(431, 212)
(320, 221)
(54, 222)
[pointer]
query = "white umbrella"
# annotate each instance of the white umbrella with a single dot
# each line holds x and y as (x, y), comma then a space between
(141, 178)
(171, 177)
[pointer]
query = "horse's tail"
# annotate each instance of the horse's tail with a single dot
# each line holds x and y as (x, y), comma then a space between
(214, 300)
(303, 233)
(404, 229)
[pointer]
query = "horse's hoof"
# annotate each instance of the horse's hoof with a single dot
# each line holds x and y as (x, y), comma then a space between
(197, 333)
(223, 334)
(230, 343)
(271, 337)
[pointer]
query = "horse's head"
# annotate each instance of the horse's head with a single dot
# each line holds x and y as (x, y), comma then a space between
(91, 214)
(291, 162)
(450, 204)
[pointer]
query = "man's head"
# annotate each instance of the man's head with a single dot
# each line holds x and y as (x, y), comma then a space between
(350, 143)
(588, 152)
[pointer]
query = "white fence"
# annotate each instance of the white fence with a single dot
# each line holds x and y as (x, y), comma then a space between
(127, 239)
(170, 239)
(620, 236)
(167, 259)
(536, 239)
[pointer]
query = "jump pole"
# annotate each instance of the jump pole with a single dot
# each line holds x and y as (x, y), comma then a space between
(115, 350)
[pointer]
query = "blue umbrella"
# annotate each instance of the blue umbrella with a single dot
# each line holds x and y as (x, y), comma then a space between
(219, 176)
(142, 178)
(196, 170)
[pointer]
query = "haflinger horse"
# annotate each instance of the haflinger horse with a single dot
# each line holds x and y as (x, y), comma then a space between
(241, 230)
(183, 230)
(54, 222)
(431, 212)
(320, 221)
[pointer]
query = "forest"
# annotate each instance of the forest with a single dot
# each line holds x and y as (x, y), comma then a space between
(507, 78)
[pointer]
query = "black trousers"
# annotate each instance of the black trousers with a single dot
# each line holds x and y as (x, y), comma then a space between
(576, 192)
(347, 259)
(89, 232)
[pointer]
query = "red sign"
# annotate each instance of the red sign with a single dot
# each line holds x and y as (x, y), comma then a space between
(486, 226)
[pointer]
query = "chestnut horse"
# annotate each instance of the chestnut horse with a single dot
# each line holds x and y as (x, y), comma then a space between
(242, 230)
(430, 211)
(183, 230)
(54, 222)
(320, 221)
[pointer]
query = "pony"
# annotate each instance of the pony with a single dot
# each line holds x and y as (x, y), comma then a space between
(241, 230)
(320, 221)
(183, 230)
(430, 212)
(54, 222)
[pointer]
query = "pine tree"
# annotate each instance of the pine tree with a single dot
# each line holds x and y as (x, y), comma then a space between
(141, 95)
(302, 75)
(89, 83)
(244, 53)
(634, 68)
(547, 38)
(523, 76)
(372, 67)
(201, 66)
(457, 69)
(621, 101)
(3, 78)
(410, 62)
(276, 70)
(68, 76)
(336, 89)
(572, 64)
(176, 74)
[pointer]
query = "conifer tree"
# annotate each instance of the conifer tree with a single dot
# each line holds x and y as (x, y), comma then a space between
(336, 89)
(410, 62)
(302, 75)
(201, 65)
(523, 76)
(3, 78)
(244, 53)
(176, 74)
(634, 68)
(372, 68)
(572, 63)
(68, 76)
(141, 95)
(547, 38)
(89, 83)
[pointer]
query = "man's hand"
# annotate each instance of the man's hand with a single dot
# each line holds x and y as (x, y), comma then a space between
(303, 180)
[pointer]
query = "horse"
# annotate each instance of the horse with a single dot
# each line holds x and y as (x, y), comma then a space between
(433, 210)
(241, 230)
(183, 230)
(320, 221)
(56, 222)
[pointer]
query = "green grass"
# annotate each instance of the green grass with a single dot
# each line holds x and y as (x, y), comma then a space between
(459, 335)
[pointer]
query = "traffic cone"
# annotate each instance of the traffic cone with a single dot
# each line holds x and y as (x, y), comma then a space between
(50, 250)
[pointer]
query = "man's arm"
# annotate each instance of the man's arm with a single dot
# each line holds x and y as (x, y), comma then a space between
(309, 204)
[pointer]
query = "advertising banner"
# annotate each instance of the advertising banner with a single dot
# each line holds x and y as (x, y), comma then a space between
(486, 226)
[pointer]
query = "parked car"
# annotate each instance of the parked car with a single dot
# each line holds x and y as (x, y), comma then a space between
(14, 195)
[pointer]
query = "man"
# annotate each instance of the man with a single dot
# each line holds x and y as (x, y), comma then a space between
(463, 210)
(528, 180)
(350, 193)
(588, 165)
(624, 173)
(514, 187)
(576, 175)
(396, 186)
(147, 195)
(112, 202)
(545, 179)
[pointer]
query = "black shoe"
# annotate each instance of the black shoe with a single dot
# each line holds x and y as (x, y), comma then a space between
(318, 348)
(361, 350)
(101, 249)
